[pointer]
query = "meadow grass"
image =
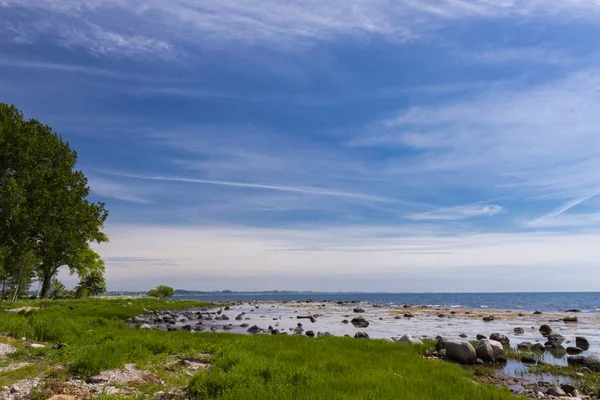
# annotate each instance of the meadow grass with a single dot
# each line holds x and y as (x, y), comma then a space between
(244, 367)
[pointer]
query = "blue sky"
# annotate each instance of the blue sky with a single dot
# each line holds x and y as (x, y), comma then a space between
(442, 145)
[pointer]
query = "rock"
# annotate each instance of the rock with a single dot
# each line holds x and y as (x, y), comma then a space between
(37, 346)
(244, 325)
(228, 327)
(442, 316)
(214, 328)
(62, 397)
(538, 347)
(463, 335)
(582, 343)
(537, 313)
(397, 317)
(254, 329)
(310, 317)
(519, 331)
(360, 322)
(359, 310)
(199, 328)
(528, 360)
(481, 337)
(479, 361)
(500, 338)
(569, 389)
(409, 315)
(574, 350)
(555, 338)
(488, 319)
(573, 310)
(488, 350)
(545, 330)
(298, 330)
(361, 335)
(345, 321)
(187, 328)
(409, 339)
(324, 334)
(459, 351)
(592, 362)
(310, 333)
(146, 326)
(501, 360)
(572, 318)
(555, 391)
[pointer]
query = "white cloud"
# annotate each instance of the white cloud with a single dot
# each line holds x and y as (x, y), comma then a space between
(537, 141)
(109, 189)
(133, 27)
(457, 213)
(205, 255)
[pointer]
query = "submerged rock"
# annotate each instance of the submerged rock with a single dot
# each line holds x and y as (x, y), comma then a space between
(519, 331)
(254, 329)
(538, 347)
(481, 337)
(574, 350)
(528, 360)
(555, 338)
(359, 310)
(525, 346)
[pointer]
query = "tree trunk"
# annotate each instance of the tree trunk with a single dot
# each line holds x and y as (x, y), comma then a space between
(46, 281)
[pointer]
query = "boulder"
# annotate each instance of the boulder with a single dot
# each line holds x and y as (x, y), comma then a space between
(361, 335)
(528, 360)
(571, 318)
(519, 331)
(574, 350)
(459, 351)
(310, 333)
(555, 338)
(481, 337)
(146, 326)
(500, 338)
(582, 343)
(573, 310)
(538, 347)
(463, 335)
(485, 351)
(409, 339)
(244, 325)
(254, 329)
(360, 322)
(545, 330)
(488, 319)
(345, 321)
(537, 313)
(325, 334)
(409, 315)
(524, 346)
(555, 391)
(359, 310)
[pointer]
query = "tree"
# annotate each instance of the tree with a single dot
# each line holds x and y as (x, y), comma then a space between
(92, 284)
(43, 200)
(161, 292)
(57, 289)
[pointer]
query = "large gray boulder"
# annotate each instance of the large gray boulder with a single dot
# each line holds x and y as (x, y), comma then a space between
(409, 339)
(488, 350)
(500, 338)
(360, 322)
(555, 338)
(592, 362)
(458, 350)
(545, 330)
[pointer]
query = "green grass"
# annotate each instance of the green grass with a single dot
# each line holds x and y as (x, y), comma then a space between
(244, 367)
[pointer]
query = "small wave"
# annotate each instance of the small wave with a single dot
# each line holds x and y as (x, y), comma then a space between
(483, 306)
(456, 306)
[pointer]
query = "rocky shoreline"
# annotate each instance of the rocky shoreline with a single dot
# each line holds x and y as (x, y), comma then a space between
(468, 337)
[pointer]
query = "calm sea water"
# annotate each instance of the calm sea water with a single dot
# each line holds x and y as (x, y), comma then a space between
(584, 301)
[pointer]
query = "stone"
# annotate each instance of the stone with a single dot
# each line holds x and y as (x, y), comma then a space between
(481, 337)
(459, 351)
(463, 335)
(409, 315)
(345, 321)
(244, 325)
(228, 327)
(571, 318)
(488, 319)
(528, 360)
(359, 310)
(545, 330)
(310, 333)
(324, 334)
(500, 338)
(361, 335)
(569, 389)
(187, 328)
(409, 339)
(146, 326)
(574, 350)
(501, 360)
(582, 343)
(360, 322)
(555, 391)
(555, 338)
(538, 347)
(592, 362)
(37, 346)
(519, 331)
(485, 351)
(254, 329)
(573, 310)
(524, 346)
(537, 313)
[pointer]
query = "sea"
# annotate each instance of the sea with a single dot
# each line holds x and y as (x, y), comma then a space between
(587, 302)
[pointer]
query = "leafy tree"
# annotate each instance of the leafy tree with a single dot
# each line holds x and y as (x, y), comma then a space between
(161, 292)
(57, 289)
(43, 200)
(92, 284)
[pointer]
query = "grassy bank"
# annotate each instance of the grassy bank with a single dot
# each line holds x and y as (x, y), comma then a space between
(243, 367)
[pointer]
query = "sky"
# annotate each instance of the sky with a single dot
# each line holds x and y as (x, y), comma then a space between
(341, 145)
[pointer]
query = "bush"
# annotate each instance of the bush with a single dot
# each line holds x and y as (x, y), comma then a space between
(161, 292)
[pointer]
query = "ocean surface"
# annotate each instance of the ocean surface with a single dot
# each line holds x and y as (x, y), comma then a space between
(549, 302)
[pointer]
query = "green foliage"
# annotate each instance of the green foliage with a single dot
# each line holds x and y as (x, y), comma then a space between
(57, 289)
(43, 203)
(92, 284)
(244, 367)
(161, 292)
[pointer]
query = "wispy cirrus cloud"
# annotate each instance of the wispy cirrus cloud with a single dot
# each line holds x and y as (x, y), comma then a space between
(106, 188)
(457, 213)
(161, 26)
